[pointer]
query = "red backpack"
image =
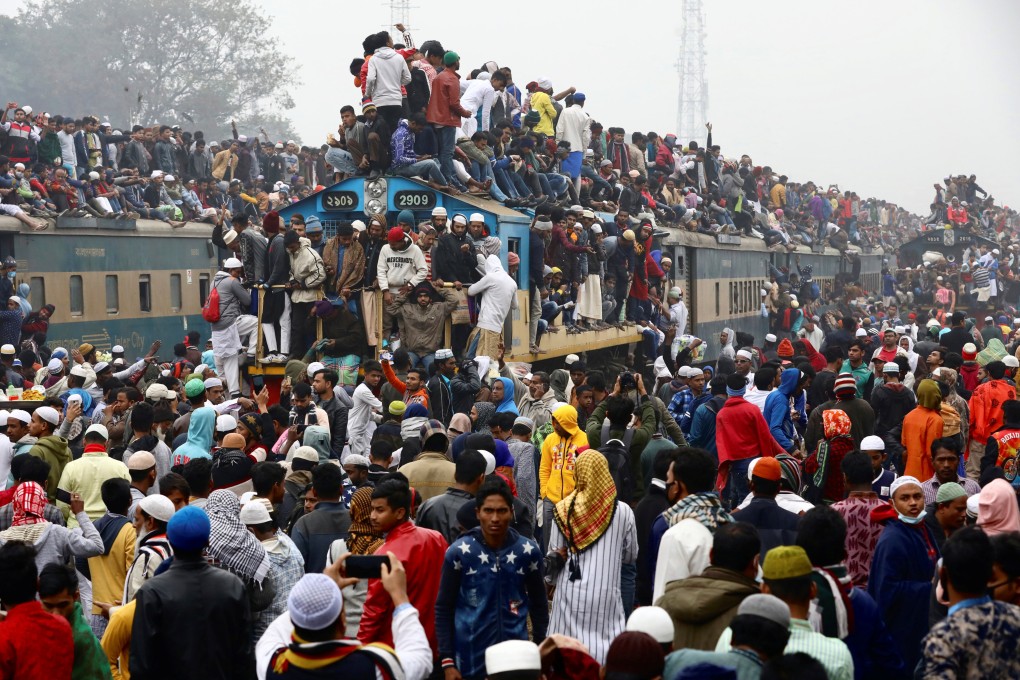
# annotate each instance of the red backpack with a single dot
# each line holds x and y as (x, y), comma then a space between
(211, 309)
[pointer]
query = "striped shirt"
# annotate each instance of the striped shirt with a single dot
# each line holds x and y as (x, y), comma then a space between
(590, 608)
(980, 277)
(830, 652)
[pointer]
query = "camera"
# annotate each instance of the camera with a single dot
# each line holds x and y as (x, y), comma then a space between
(627, 381)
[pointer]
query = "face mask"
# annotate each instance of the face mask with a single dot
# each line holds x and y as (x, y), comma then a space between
(912, 520)
(11, 275)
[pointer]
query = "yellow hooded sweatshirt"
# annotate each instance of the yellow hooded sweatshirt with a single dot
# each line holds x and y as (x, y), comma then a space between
(556, 471)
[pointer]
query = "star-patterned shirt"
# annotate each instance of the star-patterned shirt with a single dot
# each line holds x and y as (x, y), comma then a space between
(486, 596)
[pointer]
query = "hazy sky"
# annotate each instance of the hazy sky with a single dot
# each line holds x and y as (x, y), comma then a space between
(880, 97)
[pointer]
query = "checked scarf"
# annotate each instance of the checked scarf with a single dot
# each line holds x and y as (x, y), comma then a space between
(586, 513)
(703, 506)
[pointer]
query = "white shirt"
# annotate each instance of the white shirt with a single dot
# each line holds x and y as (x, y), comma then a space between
(479, 93)
(684, 551)
(678, 315)
(787, 500)
(574, 126)
(359, 417)
(6, 453)
(757, 397)
(67, 154)
(815, 337)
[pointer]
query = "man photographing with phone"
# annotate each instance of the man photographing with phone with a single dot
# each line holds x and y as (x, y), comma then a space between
(308, 639)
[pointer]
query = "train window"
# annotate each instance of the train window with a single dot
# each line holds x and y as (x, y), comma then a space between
(112, 294)
(175, 292)
(37, 296)
(513, 245)
(145, 293)
(77, 296)
(717, 300)
(203, 289)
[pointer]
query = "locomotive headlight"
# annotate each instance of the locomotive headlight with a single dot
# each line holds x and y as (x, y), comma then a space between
(375, 188)
(375, 206)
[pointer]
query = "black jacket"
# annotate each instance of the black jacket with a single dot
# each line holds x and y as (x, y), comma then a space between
(337, 413)
(776, 526)
(648, 508)
(450, 263)
(198, 608)
(457, 397)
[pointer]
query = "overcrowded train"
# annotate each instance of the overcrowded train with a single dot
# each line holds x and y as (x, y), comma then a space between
(130, 283)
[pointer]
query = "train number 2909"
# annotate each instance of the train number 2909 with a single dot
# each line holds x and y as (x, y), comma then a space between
(414, 199)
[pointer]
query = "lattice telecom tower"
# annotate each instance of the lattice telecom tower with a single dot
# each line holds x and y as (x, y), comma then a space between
(400, 13)
(692, 104)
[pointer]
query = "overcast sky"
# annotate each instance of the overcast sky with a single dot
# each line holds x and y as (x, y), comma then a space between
(880, 97)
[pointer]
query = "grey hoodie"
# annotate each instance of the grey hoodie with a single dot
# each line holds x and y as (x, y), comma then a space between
(234, 300)
(387, 72)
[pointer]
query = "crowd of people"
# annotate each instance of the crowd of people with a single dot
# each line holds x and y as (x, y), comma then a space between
(836, 499)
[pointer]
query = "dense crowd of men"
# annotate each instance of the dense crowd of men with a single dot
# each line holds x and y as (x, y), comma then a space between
(837, 499)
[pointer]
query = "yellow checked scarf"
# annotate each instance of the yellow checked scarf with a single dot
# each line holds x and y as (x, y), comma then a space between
(585, 514)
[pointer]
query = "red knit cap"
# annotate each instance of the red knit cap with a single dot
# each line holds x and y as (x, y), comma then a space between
(785, 348)
(396, 235)
(844, 383)
(271, 222)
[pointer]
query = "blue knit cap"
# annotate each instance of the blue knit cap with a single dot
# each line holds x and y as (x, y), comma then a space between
(188, 529)
(405, 217)
(313, 225)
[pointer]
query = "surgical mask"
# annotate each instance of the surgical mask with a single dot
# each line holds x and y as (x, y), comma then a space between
(913, 520)
(11, 275)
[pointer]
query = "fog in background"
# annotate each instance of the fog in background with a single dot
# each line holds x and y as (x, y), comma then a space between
(883, 98)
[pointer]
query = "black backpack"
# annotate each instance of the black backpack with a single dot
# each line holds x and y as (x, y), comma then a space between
(617, 454)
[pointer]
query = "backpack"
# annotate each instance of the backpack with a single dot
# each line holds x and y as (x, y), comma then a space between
(617, 455)
(942, 296)
(211, 309)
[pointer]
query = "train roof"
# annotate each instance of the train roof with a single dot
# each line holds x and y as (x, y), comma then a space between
(946, 241)
(96, 227)
(683, 237)
(357, 186)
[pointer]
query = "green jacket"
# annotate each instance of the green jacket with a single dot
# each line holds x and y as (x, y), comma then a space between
(639, 440)
(53, 450)
(90, 662)
(49, 148)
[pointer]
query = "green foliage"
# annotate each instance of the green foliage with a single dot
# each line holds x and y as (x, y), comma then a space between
(196, 63)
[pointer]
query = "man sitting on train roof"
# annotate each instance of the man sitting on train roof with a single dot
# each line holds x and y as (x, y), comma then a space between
(405, 163)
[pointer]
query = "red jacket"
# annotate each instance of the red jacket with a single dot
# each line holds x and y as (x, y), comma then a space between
(34, 644)
(741, 432)
(957, 215)
(422, 551)
(444, 104)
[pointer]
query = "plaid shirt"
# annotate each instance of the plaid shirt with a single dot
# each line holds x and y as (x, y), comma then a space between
(679, 404)
(931, 488)
(288, 568)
